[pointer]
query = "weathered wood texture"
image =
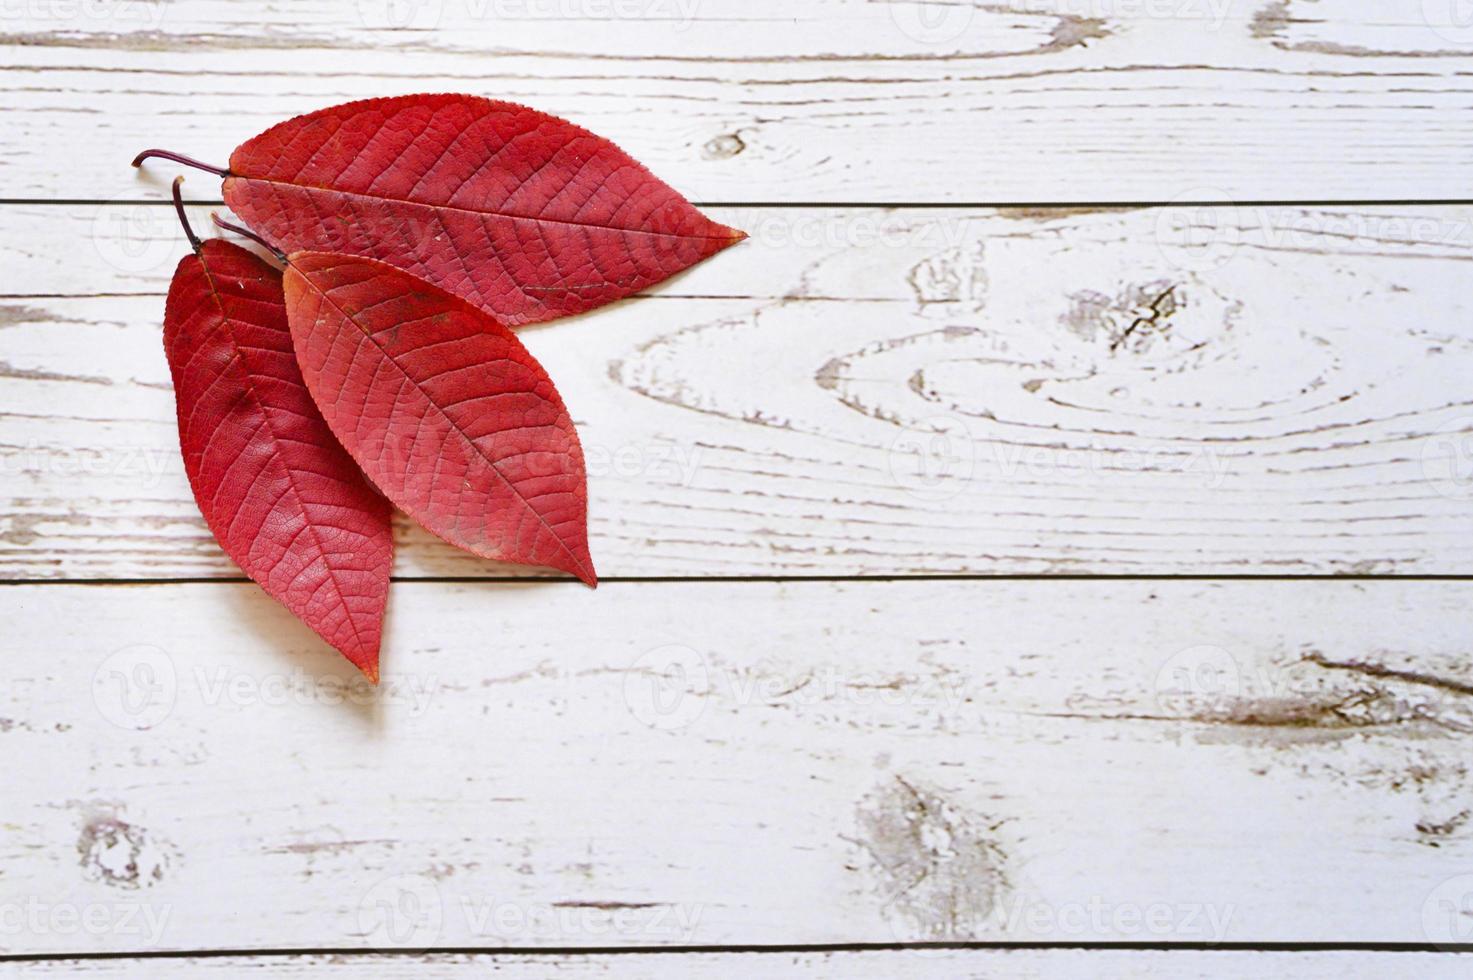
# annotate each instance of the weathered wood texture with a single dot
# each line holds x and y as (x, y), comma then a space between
(1184, 390)
(906, 965)
(839, 101)
(862, 392)
(714, 764)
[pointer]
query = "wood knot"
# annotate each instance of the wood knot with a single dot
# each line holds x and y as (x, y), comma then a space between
(939, 869)
(118, 853)
(1133, 319)
(723, 147)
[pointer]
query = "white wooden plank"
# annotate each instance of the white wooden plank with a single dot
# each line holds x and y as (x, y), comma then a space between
(1063, 964)
(867, 392)
(1048, 100)
(717, 764)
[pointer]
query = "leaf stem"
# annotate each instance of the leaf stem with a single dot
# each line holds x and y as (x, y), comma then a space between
(194, 242)
(180, 158)
(247, 233)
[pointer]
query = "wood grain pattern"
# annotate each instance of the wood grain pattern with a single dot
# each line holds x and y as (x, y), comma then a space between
(665, 764)
(844, 101)
(1221, 390)
(1167, 391)
(897, 965)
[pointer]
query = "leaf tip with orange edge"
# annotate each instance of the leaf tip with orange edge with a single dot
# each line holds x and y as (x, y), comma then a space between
(365, 658)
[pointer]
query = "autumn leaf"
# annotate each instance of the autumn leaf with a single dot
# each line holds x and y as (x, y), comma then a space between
(517, 211)
(284, 500)
(415, 231)
(443, 408)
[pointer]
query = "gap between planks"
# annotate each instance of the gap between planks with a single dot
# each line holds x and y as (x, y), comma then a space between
(770, 579)
(883, 205)
(754, 950)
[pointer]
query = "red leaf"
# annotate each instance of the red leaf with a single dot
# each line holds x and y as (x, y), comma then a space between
(443, 408)
(522, 213)
(281, 496)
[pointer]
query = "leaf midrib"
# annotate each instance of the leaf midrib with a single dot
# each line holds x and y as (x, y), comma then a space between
(448, 420)
(497, 214)
(276, 441)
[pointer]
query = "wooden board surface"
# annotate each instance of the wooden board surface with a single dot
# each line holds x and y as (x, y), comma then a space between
(836, 101)
(713, 764)
(715, 750)
(884, 965)
(872, 392)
